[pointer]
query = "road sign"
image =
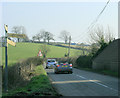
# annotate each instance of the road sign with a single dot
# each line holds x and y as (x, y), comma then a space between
(16, 35)
(6, 28)
(39, 53)
(11, 42)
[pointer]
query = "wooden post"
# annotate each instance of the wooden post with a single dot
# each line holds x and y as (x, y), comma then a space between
(6, 60)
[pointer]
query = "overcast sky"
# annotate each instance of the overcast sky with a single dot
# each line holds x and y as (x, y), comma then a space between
(74, 17)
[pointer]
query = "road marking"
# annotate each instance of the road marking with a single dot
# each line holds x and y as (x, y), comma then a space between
(74, 81)
(105, 86)
(81, 77)
(96, 82)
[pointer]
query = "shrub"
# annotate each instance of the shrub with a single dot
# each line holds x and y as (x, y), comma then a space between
(20, 73)
(84, 61)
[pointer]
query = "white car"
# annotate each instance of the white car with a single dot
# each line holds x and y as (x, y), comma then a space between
(51, 63)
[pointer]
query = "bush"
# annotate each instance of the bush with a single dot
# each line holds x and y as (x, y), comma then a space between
(39, 85)
(69, 60)
(84, 62)
(33, 60)
(20, 73)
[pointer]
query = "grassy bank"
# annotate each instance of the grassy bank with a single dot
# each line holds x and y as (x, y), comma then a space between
(39, 85)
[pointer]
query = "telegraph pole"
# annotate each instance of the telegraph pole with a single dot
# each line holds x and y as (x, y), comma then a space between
(6, 60)
(69, 46)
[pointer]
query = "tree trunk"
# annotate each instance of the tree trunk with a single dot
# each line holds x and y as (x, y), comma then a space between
(48, 41)
(44, 56)
(44, 41)
(65, 41)
(18, 40)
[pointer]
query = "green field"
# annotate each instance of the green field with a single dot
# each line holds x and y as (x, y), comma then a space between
(26, 50)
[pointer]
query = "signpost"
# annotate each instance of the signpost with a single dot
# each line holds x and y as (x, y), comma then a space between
(11, 42)
(7, 41)
(6, 60)
(16, 35)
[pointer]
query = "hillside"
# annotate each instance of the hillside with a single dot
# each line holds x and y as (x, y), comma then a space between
(26, 50)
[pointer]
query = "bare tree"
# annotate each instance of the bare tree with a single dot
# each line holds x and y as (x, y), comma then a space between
(64, 35)
(44, 49)
(38, 36)
(100, 39)
(43, 35)
(16, 30)
(23, 31)
(20, 30)
(34, 38)
(25, 39)
(109, 35)
(100, 36)
(47, 36)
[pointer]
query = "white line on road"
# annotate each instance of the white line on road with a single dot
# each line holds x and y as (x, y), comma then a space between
(105, 86)
(96, 82)
(80, 76)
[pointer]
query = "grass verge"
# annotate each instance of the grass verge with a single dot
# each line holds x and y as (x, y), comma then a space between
(38, 86)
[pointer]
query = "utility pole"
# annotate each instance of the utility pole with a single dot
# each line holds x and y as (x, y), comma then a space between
(69, 46)
(6, 60)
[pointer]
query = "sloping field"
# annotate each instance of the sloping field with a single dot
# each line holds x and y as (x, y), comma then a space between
(26, 50)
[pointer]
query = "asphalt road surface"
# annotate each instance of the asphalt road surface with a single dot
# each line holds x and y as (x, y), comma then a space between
(84, 83)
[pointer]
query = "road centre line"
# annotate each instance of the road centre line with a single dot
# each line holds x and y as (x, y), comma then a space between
(96, 82)
(81, 77)
(74, 81)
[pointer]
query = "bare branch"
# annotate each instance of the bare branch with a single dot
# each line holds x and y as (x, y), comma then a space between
(64, 35)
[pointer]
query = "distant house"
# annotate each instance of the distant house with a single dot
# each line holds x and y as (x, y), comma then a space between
(108, 58)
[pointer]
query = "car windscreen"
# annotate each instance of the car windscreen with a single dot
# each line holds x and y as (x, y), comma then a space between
(51, 61)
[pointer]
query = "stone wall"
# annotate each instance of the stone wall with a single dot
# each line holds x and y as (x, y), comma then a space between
(108, 58)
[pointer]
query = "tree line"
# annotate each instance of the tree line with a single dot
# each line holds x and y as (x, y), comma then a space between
(98, 36)
(47, 36)
(43, 35)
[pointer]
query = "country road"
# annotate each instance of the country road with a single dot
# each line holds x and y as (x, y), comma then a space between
(84, 83)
